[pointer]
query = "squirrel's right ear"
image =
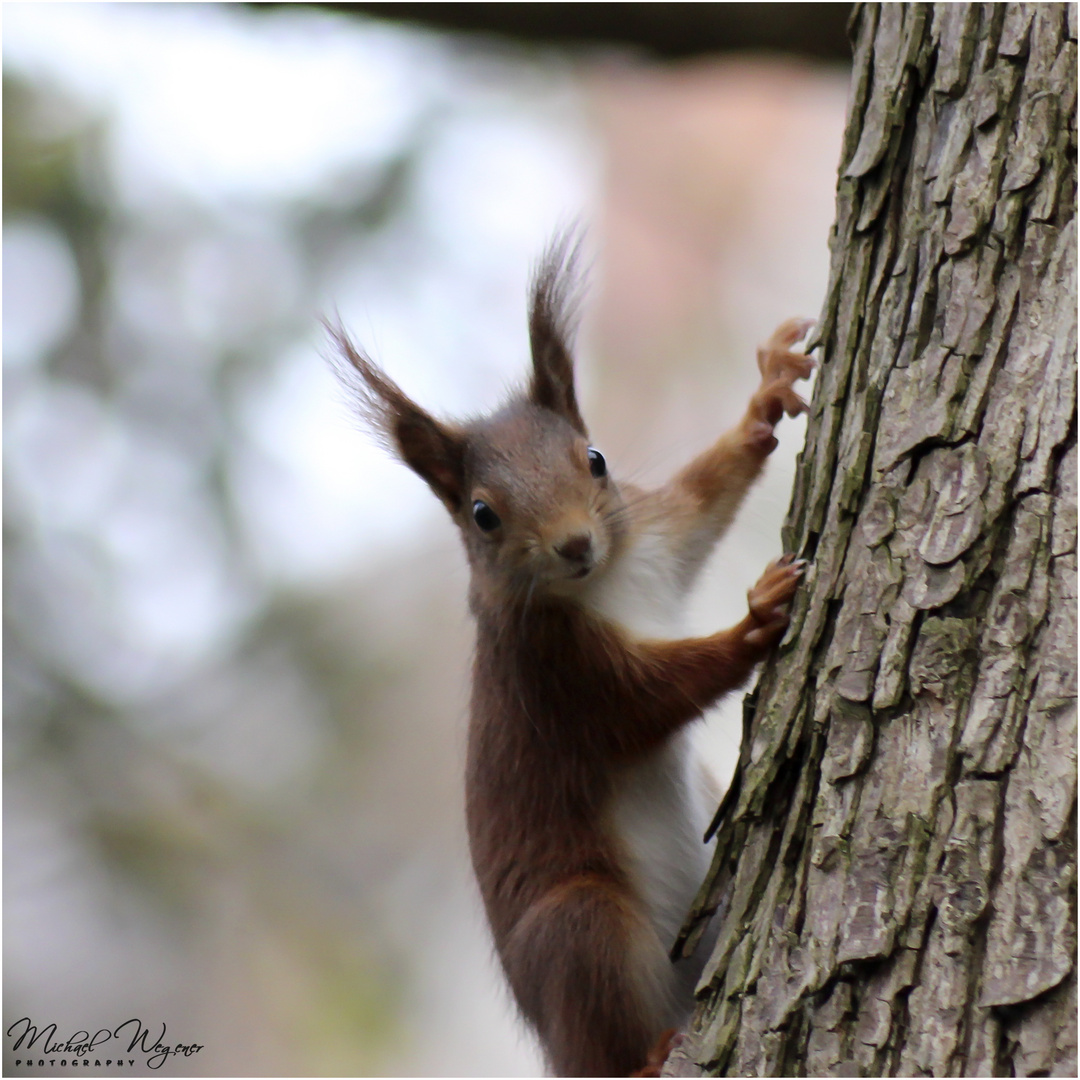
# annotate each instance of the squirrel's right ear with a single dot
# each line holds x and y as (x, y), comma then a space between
(552, 312)
(435, 451)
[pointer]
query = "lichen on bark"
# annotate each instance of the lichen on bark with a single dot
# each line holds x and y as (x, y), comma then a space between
(895, 872)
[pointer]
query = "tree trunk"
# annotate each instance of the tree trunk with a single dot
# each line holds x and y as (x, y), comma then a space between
(896, 863)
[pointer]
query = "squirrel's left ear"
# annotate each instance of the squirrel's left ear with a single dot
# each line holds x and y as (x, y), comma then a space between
(433, 450)
(551, 324)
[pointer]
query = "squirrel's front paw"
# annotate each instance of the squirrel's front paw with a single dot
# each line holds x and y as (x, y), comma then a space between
(779, 367)
(770, 599)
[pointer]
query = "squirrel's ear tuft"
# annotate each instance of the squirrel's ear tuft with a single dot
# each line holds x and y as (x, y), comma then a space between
(434, 451)
(554, 295)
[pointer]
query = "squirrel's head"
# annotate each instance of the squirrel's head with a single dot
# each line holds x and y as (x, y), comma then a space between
(536, 508)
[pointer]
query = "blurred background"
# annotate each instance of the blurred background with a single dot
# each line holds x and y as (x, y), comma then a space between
(236, 643)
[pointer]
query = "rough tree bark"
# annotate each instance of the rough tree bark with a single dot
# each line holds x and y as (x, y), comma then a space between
(896, 862)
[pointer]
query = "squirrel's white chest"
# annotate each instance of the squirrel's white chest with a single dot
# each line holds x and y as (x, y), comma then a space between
(661, 806)
(644, 592)
(659, 812)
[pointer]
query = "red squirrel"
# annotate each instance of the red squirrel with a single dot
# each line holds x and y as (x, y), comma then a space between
(584, 803)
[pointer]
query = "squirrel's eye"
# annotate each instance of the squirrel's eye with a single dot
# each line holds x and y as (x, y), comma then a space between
(597, 464)
(484, 516)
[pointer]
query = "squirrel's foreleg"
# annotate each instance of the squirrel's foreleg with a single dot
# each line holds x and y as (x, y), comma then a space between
(716, 480)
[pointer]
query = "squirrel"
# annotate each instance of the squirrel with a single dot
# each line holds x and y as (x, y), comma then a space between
(585, 805)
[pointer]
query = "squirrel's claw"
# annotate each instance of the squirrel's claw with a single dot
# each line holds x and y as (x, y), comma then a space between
(780, 368)
(770, 598)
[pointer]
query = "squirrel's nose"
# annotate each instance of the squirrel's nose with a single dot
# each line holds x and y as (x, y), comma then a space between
(576, 548)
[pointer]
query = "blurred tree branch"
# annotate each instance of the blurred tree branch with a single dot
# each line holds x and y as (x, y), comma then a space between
(666, 30)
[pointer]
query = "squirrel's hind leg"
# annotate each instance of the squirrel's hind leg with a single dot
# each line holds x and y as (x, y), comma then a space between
(592, 976)
(658, 1055)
